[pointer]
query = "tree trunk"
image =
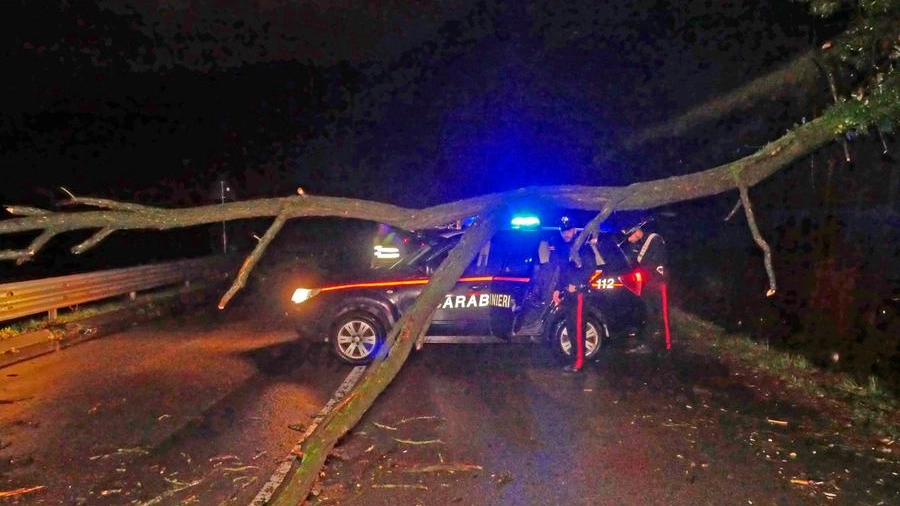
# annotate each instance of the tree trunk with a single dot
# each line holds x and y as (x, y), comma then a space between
(385, 367)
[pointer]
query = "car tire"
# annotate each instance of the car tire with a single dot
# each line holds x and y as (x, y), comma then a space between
(594, 335)
(356, 337)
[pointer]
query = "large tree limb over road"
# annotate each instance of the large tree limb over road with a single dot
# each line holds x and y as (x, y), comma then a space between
(881, 105)
(844, 117)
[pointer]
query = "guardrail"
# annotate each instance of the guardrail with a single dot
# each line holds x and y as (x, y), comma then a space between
(26, 298)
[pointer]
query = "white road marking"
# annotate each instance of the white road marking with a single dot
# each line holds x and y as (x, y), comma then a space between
(284, 468)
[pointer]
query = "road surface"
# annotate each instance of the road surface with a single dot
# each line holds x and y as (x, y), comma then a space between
(202, 409)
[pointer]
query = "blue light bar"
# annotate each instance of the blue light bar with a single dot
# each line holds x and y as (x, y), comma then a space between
(525, 221)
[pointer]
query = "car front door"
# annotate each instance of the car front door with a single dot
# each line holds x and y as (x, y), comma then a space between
(465, 310)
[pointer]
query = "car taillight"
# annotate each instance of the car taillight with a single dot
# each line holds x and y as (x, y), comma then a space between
(634, 280)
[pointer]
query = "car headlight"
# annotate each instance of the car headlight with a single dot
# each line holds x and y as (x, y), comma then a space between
(303, 294)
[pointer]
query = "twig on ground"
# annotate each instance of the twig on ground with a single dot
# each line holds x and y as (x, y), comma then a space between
(20, 491)
(414, 418)
(444, 468)
(399, 485)
(415, 442)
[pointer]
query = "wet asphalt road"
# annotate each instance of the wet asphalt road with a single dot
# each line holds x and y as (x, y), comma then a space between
(201, 409)
(538, 436)
(196, 408)
(502, 425)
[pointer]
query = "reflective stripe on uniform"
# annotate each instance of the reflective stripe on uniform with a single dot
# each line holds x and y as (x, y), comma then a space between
(579, 332)
(646, 246)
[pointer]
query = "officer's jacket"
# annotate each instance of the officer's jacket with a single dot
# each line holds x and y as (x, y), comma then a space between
(578, 275)
(649, 253)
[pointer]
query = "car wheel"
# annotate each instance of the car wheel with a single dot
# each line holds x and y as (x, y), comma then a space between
(357, 337)
(593, 338)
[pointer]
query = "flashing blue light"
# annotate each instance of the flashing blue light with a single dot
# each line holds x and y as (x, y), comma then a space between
(525, 221)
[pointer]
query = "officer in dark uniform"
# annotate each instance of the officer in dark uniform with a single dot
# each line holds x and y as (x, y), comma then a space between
(553, 257)
(649, 251)
(574, 281)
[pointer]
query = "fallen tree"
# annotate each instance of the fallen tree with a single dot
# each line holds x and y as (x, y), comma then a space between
(879, 106)
(862, 45)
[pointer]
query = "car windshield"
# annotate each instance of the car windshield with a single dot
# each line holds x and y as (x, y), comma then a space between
(432, 250)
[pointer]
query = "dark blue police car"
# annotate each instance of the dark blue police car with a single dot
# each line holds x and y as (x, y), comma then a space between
(490, 303)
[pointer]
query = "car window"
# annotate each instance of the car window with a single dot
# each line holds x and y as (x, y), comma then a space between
(514, 252)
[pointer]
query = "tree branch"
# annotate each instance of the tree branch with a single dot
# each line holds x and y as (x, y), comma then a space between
(252, 259)
(109, 204)
(27, 211)
(758, 238)
(591, 228)
(24, 255)
(384, 368)
(734, 210)
(92, 240)
(801, 69)
(844, 116)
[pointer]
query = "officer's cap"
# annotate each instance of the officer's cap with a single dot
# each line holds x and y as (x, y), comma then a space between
(636, 226)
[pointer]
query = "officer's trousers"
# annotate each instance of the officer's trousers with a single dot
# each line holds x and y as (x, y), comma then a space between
(576, 325)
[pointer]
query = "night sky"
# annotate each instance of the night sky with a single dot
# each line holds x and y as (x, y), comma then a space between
(413, 103)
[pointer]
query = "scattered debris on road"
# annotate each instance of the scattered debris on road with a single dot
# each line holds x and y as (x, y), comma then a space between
(444, 468)
(399, 485)
(414, 442)
(20, 491)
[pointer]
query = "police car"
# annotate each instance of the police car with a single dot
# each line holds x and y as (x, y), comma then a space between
(491, 302)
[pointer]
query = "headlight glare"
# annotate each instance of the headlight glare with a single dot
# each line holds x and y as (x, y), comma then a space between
(303, 294)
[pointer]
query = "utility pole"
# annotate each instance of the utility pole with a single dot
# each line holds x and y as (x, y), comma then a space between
(223, 188)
